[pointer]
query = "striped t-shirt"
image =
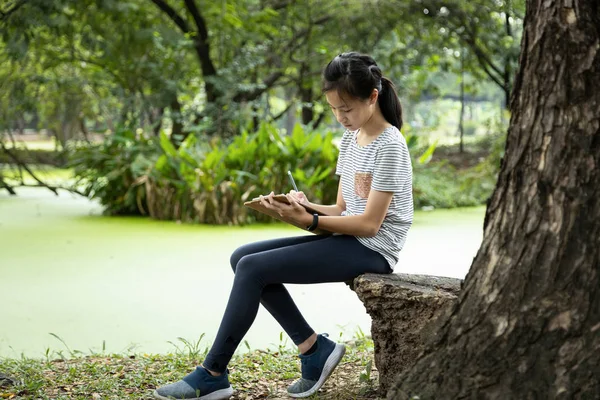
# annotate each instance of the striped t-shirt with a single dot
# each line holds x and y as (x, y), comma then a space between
(383, 165)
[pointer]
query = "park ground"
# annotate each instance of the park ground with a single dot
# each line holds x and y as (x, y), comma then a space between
(254, 375)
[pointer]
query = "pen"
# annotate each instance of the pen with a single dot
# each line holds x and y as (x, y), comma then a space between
(292, 180)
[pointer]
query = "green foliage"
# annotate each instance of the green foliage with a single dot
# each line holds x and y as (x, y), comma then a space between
(205, 182)
(130, 63)
(109, 171)
(440, 185)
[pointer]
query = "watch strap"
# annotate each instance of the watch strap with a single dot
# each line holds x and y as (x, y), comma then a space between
(314, 224)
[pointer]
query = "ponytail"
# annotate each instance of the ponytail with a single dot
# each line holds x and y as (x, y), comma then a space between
(389, 103)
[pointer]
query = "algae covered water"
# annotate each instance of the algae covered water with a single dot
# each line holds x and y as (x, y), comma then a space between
(124, 284)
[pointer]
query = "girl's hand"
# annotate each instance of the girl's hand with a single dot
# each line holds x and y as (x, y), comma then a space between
(293, 211)
(300, 197)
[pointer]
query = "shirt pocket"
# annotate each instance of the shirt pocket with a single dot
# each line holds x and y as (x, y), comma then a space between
(362, 184)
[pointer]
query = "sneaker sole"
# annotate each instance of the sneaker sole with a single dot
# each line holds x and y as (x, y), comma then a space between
(332, 361)
(221, 394)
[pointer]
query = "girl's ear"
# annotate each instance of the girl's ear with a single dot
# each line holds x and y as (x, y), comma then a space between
(373, 97)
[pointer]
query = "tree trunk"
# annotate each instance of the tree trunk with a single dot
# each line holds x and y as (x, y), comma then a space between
(507, 58)
(461, 128)
(527, 323)
(306, 94)
(307, 105)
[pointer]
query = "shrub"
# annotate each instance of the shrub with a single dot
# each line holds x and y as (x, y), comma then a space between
(205, 182)
(108, 171)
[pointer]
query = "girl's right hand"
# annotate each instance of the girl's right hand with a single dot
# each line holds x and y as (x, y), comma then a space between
(300, 197)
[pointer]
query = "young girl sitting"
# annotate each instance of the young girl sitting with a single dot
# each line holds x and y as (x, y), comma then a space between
(370, 221)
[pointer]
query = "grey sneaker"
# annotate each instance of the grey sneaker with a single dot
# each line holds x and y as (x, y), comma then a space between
(317, 367)
(199, 385)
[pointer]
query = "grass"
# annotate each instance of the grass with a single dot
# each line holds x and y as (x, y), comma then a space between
(259, 374)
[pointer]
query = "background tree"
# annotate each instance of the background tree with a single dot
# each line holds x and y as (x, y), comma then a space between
(216, 69)
(488, 30)
(210, 67)
(527, 324)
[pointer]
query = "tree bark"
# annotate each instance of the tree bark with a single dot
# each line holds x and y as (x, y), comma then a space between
(306, 95)
(527, 323)
(507, 58)
(461, 128)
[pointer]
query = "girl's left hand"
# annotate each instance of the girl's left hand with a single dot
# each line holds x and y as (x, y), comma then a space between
(293, 211)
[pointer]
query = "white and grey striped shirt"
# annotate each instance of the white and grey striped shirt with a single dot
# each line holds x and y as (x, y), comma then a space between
(382, 165)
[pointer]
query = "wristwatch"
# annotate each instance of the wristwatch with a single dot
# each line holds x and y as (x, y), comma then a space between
(314, 224)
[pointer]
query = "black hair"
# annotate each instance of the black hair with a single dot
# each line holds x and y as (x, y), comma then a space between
(356, 75)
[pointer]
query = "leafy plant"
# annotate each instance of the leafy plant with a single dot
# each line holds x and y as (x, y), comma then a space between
(107, 171)
(204, 182)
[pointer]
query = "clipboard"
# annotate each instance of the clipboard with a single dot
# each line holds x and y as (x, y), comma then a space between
(255, 205)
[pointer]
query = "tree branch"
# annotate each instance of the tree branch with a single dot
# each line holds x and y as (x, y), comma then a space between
(479, 52)
(302, 33)
(484, 64)
(202, 47)
(280, 5)
(319, 119)
(255, 93)
(167, 9)
(54, 188)
(457, 19)
(26, 168)
(274, 77)
(98, 64)
(200, 23)
(4, 185)
(281, 114)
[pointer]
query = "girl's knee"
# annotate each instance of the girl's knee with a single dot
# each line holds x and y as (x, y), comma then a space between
(247, 265)
(237, 255)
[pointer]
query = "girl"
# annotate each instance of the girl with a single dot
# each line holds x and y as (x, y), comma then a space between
(371, 217)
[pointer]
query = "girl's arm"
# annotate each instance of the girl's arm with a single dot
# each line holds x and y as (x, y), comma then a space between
(335, 209)
(367, 224)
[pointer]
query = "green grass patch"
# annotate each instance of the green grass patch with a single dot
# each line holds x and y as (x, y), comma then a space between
(263, 374)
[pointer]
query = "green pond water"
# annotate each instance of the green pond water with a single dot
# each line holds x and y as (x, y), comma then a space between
(133, 284)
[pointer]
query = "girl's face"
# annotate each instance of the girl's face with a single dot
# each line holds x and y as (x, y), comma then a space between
(352, 113)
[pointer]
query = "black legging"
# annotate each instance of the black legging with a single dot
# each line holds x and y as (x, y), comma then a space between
(262, 268)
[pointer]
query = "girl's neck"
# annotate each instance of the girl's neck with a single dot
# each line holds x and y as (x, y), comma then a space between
(374, 125)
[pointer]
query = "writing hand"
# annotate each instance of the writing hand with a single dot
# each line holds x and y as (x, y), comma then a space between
(292, 211)
(300, 197)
